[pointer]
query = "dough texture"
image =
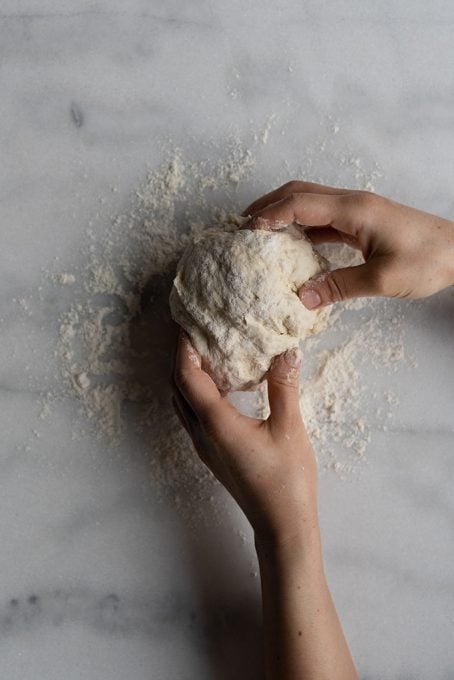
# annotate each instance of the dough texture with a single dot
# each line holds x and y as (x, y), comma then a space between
(235, 295)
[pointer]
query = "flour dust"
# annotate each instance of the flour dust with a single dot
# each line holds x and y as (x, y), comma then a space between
(115, 336)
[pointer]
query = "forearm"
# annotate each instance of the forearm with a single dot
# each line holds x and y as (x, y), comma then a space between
(302, 634)
(277, 491)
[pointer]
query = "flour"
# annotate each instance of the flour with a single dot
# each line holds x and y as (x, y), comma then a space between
(115, 337)
(66, 279)
(235, 295)
(335, 396)
(115, 334)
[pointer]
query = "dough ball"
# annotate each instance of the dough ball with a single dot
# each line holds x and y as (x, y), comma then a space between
(235, 295)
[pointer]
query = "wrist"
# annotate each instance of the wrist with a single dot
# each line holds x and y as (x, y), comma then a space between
(289, 522)
(287, 543)
(449, 251)
(452, 259)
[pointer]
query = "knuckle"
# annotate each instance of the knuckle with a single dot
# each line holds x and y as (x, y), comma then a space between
(337, 288)
(293, 198)
(293, 186)
(367, 201)
(361, 208)
(287, 380)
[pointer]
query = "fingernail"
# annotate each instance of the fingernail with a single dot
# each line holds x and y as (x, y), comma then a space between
(310, 298)
(293, 357)
(262, 223)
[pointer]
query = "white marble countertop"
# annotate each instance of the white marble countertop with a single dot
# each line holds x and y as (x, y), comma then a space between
(100, 579)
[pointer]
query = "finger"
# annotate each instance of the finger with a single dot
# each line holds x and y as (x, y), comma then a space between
(195, 385)
(305, 209)
(283, 389)
(341, 284)
(286, 190)
(324, 235)
(330, 235)
(344, 213)
(184, 412)
(189, 420)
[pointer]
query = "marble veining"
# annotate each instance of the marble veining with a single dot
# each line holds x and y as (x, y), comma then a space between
(99, 580)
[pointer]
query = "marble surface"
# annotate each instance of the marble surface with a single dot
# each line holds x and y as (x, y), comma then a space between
(99, 579)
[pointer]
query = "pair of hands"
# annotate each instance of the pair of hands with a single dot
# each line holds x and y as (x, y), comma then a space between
(268, 466)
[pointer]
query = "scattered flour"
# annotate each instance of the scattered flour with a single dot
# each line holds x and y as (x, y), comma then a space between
(115, 338)
(115, 335)
(338, 387)
(66, 279)
(347, 380)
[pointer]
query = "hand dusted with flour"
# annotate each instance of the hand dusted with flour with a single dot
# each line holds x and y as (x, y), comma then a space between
(235, 295)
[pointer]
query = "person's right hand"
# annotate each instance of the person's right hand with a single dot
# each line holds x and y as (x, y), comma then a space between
(408, 253)
(268, 466)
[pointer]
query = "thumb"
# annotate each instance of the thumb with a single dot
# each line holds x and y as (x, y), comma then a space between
(283, 388)
(338, 285)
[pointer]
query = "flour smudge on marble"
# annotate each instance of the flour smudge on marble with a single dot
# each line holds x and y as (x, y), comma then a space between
(116, 335)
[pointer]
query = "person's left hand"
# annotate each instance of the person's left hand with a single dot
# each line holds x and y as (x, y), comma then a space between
(268, 466)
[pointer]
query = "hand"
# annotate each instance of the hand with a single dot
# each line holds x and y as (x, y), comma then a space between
(267, 465)
(408, 253)
(269, 468)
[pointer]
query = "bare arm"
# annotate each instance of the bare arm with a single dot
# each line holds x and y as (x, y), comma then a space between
(303, 635)
(269, 468)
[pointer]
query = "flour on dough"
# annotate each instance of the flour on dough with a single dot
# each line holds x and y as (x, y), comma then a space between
(235, 295)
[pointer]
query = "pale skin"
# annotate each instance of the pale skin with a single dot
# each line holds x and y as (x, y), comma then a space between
(408, 253)
(268, 466)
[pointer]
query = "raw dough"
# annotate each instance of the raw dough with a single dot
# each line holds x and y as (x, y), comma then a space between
(235, 295)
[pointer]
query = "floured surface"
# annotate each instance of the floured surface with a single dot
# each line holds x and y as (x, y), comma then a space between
(116, 333)
(347, 392)
(99, 580)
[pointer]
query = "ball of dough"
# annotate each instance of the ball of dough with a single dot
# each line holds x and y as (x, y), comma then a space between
(235, 295)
